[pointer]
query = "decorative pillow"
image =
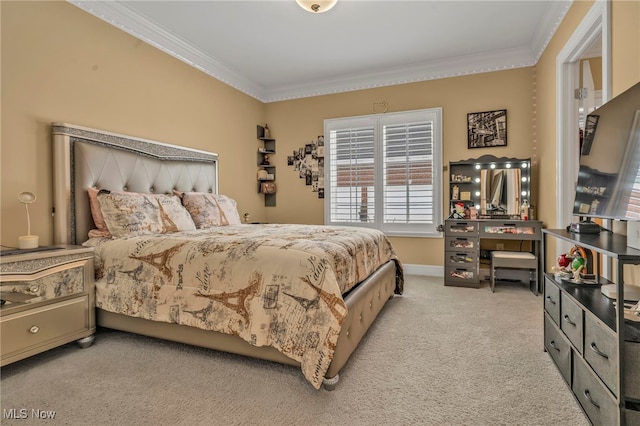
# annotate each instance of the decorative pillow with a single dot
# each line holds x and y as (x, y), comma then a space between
(228, 209)
(130, 213)
(208, 210)
(98, 220)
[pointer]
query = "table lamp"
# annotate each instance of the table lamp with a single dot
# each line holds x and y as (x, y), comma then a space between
(27, 241)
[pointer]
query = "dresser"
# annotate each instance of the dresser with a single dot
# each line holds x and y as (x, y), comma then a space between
(462, 253)
(47, 300)
(595, 345)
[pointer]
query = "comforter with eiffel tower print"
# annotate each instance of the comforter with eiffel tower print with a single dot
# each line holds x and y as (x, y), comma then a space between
(271, 284)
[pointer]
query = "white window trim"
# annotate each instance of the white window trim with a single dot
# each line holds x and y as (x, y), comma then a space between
(377, 121)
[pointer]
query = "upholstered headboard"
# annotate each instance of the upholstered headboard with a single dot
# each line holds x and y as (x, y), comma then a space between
(86, 157)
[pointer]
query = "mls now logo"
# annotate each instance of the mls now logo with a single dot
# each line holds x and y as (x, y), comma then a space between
(23, 413)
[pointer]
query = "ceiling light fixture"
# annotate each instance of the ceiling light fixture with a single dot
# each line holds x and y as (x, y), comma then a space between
(316, 6)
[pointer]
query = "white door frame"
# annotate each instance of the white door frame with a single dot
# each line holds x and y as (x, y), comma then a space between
(595, 24)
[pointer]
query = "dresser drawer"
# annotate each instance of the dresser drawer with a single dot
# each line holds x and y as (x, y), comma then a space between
(462, 228)
(461, 243)
(558, 347)
(571, 322)
(552, 300)
(633, 417)
(466, 277)
(461, 259)
(632, 371)
(594, 397)
(520, 230)
(45, 325)
(600, 352)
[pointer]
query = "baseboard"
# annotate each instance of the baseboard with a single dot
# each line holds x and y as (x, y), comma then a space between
(436, 271)
(426, 270)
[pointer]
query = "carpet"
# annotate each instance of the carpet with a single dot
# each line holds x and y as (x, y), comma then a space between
(435, 356)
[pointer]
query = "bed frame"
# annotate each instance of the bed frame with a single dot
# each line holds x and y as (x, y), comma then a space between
(86, 157)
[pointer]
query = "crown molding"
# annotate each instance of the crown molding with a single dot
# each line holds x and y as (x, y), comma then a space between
(433, 70)
(548, 26)
(128, 20)
(121, 16)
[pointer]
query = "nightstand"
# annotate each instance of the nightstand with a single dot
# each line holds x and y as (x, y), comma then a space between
(47, 300)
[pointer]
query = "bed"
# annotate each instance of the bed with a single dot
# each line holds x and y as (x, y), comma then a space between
(302, 295)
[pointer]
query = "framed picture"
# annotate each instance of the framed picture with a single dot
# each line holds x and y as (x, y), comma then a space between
(589, 131)
(487, 129)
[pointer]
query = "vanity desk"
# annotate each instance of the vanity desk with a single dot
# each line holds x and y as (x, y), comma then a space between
(486, 196)
(462, 246)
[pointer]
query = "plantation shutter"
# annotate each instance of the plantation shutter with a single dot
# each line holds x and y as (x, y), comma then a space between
(383, 171)
(352, 175)
(408, 172)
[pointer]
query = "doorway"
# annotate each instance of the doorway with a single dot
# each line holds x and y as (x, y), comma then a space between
(592, 37)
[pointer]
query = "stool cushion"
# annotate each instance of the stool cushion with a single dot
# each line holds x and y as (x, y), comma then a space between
(512, 255)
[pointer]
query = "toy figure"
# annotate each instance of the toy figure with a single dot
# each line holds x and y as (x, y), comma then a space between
(577, 265)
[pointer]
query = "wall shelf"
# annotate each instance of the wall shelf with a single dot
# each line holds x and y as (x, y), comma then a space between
(265, 162)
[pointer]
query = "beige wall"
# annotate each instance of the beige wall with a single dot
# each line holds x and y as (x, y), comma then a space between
(60, 63)
(625, 44)
(625, 71)
(89, 73)
(294, 123)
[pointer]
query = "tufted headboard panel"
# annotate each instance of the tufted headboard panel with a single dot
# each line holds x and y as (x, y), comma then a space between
(86, 157)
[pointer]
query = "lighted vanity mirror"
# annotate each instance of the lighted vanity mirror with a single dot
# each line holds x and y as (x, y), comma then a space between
(504, 185)
(496, 187)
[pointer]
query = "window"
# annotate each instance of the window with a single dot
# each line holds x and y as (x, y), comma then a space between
(384, 172)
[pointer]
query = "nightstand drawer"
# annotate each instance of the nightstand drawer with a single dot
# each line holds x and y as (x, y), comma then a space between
(58, 281)
(41, 326)
(571, 322)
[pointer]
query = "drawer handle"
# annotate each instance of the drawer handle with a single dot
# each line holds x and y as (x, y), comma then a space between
(553, 345)
(553, 302)
(34, 329)
(594, 348)
(567, 319)
(588, 396)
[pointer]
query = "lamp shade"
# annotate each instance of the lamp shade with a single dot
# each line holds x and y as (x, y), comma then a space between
(316, 6)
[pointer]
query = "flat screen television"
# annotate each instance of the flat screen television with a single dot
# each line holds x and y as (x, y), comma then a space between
(608, 184)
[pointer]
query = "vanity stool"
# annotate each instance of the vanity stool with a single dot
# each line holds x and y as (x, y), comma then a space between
(522, 260)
